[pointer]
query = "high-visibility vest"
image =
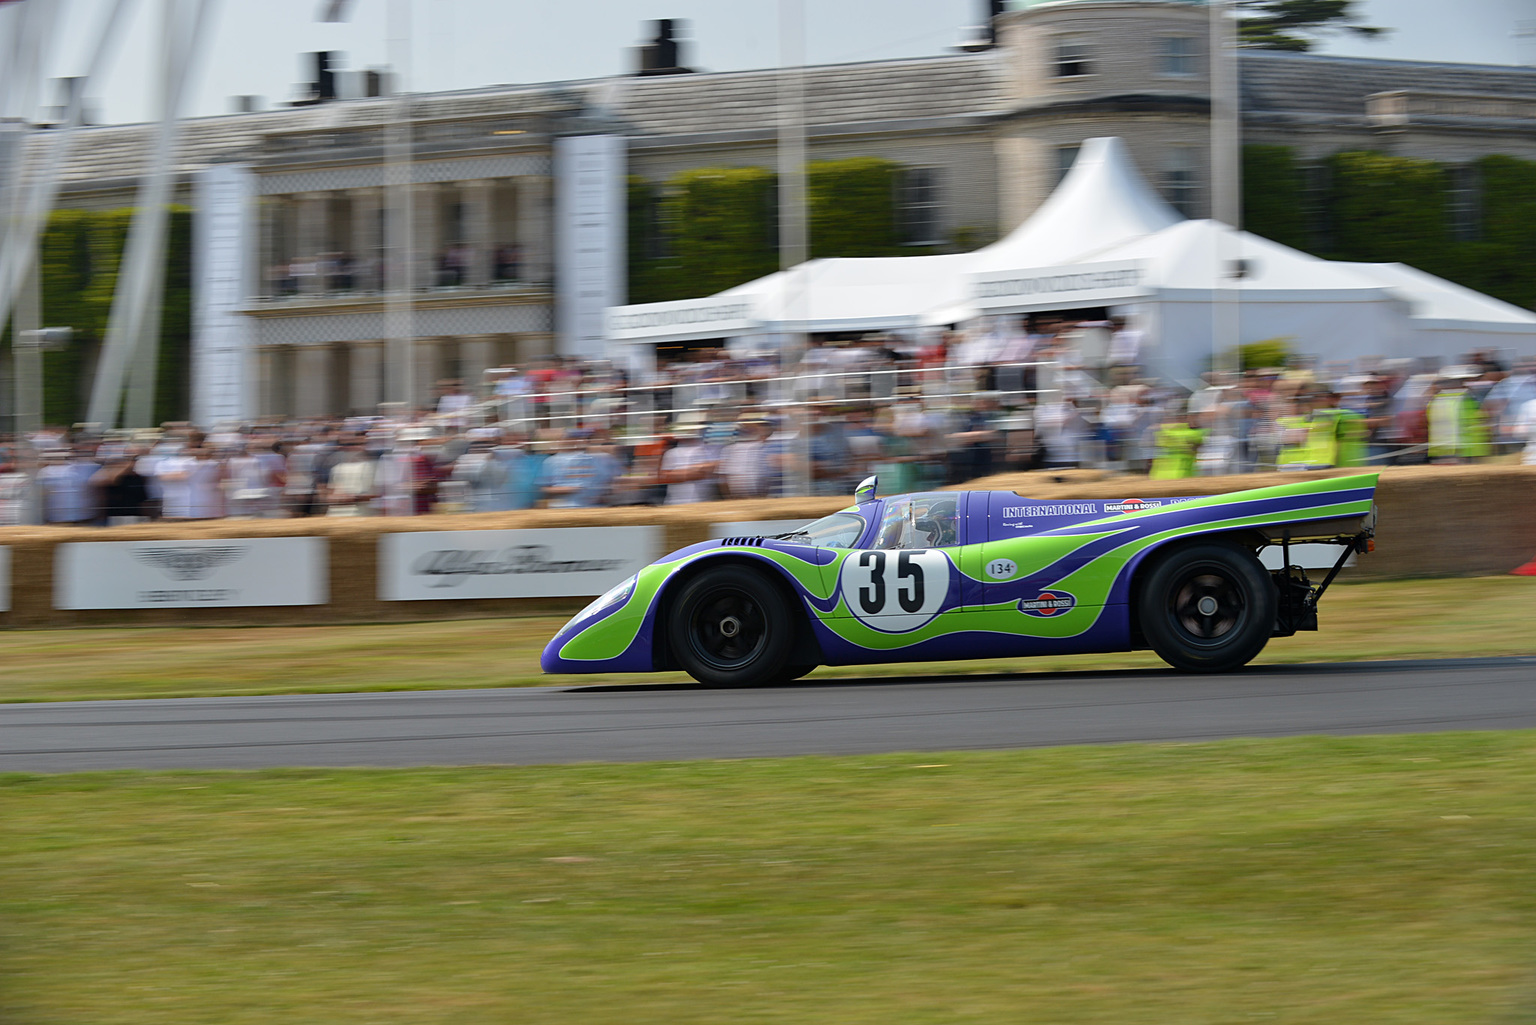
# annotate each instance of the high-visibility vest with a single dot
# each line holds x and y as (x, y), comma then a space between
(1293, 453)
(1335, 437)
(1456, 426)
(1176, 447)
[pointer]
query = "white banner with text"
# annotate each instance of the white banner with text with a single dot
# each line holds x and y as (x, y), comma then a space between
(222, 573)
(548, 563)
(1075, 285)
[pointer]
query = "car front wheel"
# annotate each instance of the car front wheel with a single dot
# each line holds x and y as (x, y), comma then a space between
(731, 627)
(1207, 607)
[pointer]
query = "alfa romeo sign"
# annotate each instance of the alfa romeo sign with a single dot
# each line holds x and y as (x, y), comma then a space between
(555, 562)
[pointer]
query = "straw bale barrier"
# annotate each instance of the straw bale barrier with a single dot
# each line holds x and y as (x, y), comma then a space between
(1435, 521)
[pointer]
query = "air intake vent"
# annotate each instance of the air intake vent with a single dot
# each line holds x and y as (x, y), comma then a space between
(743, 542)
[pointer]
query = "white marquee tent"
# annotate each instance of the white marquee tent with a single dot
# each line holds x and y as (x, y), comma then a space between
(1105, 238)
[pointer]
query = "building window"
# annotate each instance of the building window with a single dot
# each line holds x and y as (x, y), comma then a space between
(1065, 157)
(1178, 56)
(1179, 185)
(1072, 57)
(1465, 203)
(918, 201)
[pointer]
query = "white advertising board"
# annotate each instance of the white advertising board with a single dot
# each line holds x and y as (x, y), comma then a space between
(590, 244)
(1075, 285)
(547, 563)
(223, 573)
(5, 579)
(221, 379)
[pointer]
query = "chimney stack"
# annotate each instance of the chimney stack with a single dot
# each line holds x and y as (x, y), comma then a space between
(662, 55)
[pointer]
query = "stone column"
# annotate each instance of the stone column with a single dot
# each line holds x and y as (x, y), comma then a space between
(480, 229)
(535, 230)
(312, 380)
(366, 387)
(312, 235)
(477, 354)
(426, 205)
(428, 372)
(367, 244)
(263, 361)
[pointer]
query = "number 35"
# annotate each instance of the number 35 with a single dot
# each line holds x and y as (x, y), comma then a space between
(909, 586)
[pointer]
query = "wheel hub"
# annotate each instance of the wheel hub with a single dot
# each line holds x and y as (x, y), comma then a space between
(730, 626)
(1208, 605)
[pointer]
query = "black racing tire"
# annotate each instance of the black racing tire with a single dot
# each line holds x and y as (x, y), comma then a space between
(1207, 607)
(731, 626)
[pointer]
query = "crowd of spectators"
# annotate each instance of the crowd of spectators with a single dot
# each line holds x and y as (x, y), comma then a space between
(563, 433)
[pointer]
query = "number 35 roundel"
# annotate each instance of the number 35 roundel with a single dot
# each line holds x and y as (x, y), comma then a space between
(895, 591)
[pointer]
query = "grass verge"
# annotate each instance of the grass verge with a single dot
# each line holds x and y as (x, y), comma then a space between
(1313, 880)
(1400, 619)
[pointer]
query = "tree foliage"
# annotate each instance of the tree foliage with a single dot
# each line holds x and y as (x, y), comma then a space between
(1297, 25)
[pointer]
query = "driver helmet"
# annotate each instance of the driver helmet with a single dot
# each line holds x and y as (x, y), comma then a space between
(941, 522)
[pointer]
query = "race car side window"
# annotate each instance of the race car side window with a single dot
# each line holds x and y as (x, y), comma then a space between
(927, 520)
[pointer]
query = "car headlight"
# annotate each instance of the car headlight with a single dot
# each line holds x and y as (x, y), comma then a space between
(615, 594)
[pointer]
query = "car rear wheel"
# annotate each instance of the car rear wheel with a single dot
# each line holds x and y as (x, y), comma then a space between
(731, 626)
(1207, 607)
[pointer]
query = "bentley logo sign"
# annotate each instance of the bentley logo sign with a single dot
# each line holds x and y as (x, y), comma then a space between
(190, 563)
(241, 572)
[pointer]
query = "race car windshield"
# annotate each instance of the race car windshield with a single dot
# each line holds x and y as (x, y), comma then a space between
(840, 530)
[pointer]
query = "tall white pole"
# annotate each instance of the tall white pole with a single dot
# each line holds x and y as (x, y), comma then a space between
(793, 229)
(136, 299)
(1226, 185)
(399, 230)
(36, 201)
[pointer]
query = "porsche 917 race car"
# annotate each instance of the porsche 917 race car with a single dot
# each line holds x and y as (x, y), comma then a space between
(977, 574)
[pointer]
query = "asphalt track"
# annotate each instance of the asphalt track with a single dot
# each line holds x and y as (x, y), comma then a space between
(663, 723)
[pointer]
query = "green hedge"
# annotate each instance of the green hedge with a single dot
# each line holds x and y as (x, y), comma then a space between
(1274, 195)
(712, 228)
(80, 252)
(852, 206)
(1383, 208)
(1375, 207)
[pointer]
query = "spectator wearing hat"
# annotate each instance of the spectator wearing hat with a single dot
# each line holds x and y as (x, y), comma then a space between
(688, 470)
(576, 476)
(349, 487)
(745, 466)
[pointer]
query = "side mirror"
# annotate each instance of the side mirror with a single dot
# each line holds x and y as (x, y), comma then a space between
(865, 492)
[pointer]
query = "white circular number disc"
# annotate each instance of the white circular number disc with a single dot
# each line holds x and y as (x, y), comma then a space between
(1001, 569)
(895, 591)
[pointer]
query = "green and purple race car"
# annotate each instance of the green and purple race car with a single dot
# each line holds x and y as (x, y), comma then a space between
(977, 574)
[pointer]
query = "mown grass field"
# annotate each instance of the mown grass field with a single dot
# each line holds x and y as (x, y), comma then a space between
(1382, 879)
(1399, 619)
